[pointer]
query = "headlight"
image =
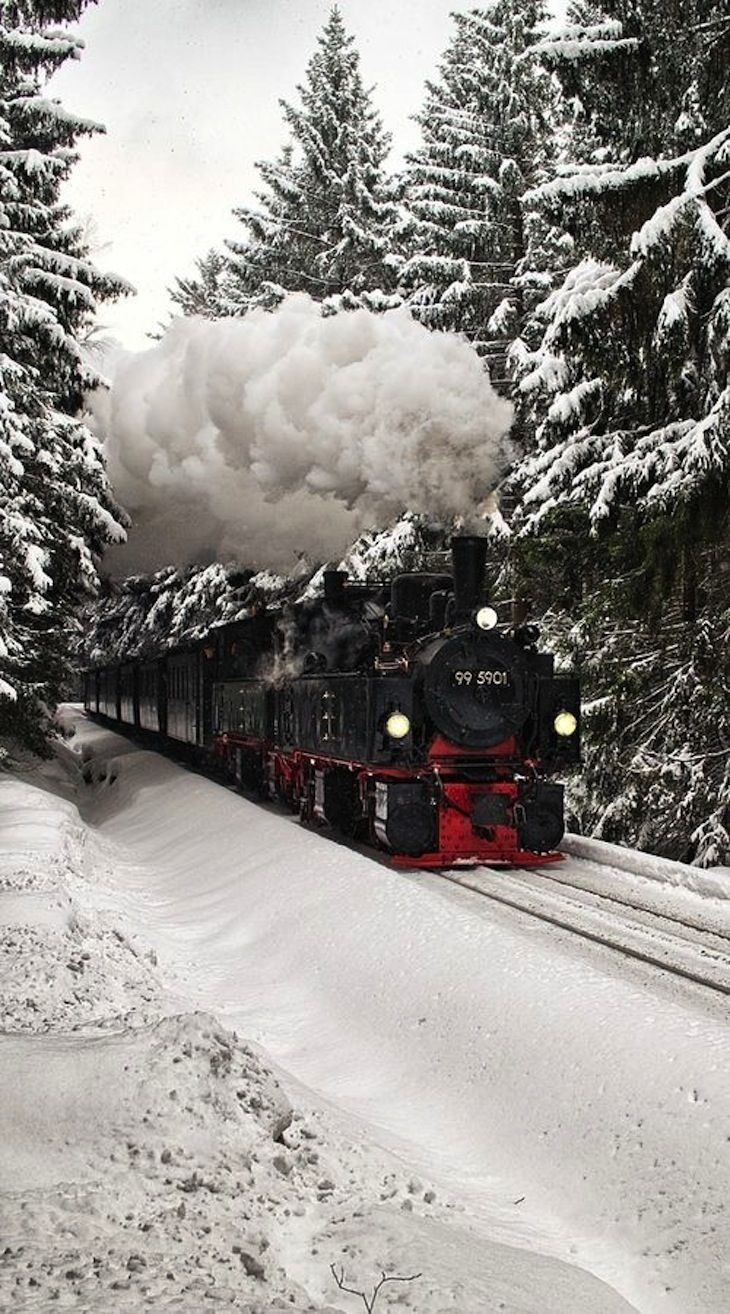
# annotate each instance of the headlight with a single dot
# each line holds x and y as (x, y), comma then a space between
(397, 725)
(486, 618)
(565, 724)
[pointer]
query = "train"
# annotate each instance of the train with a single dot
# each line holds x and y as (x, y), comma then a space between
(403, 715)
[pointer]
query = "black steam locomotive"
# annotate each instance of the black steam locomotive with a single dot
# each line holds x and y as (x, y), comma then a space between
(404, 714)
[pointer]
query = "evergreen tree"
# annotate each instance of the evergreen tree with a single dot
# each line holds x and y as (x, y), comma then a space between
(325, 216)
(205, 294)
(626, 384)
(657, 722)
(623, 382)
(486, 128)
(56, 511)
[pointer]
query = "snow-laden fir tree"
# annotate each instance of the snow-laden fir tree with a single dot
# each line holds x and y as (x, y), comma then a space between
(204, 293)
(623, 369)
(324, 219)
(487, 128)
(623, 381)
(56, 511)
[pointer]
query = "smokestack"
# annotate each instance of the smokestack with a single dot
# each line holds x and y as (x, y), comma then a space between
(468, 556)
(334, 586)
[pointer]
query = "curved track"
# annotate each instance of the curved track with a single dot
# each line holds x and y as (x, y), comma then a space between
(636, 926)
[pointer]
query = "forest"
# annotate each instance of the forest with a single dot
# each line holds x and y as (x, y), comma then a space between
(567, 211)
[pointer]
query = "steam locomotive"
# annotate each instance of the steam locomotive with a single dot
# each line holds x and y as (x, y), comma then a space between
(404, 715)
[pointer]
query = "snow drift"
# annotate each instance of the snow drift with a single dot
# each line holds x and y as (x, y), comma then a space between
(150, 1158)
(289, 432)
(569, 1100)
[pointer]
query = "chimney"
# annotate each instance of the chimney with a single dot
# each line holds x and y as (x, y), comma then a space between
(334, 586)
(468, 556)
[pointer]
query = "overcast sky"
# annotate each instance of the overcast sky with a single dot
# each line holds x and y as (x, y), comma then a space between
(188, 91)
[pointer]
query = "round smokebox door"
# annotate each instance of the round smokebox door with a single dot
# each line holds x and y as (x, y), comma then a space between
(475, 689)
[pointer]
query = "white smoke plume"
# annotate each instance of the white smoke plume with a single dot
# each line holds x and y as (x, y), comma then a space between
(288, 432)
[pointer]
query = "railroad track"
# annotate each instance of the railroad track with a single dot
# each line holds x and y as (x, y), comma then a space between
(637, 926)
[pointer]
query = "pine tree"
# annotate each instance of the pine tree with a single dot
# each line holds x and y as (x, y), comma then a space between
(626, 387)
(623, 383)
(486, 129)
(205, 294)
(56, 510)
(325, 216)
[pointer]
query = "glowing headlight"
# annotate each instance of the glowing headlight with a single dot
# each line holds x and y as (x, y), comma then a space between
(486, 618)
(565, 724)
(397, 725)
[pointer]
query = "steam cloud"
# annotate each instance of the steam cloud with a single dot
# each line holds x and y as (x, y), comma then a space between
(264, 437)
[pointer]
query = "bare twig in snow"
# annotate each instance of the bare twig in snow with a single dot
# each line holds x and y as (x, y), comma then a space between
(368, 1301)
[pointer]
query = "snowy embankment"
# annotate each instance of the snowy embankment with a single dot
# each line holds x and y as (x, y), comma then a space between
(141, 1148)
(711, 883)
(148, 1157)
(557, 1103)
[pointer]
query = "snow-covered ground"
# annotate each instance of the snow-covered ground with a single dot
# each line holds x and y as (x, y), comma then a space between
(235, 1053)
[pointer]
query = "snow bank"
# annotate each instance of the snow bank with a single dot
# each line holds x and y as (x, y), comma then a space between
(149, 1159)
(574, 1102)
(288, 431)
(128, 1139)
(713, 883)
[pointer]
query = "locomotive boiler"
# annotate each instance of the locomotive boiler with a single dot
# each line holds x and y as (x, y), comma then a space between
(404, 715)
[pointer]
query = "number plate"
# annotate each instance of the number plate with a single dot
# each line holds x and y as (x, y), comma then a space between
(480, 678)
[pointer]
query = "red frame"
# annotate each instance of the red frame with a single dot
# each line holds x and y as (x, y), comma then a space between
(288, 776)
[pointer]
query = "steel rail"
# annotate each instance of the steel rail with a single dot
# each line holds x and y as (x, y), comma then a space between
(595, 936)
(690, 923)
